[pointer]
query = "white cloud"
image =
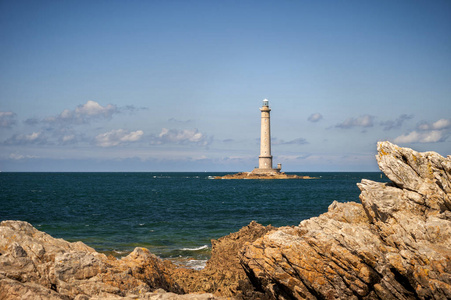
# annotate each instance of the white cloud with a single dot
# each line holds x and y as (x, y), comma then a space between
(433, 136)
(183, 136)
(82, 114)
(117, 137)
(7, 119)
(442, 124)
(438, 125)
(315, 117)
(92, 108)
(435, 132)
(362, 121)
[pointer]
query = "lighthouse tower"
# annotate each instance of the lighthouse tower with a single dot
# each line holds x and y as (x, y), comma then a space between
(265, 157)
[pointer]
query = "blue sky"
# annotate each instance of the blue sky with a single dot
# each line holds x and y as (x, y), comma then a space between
(177, 85)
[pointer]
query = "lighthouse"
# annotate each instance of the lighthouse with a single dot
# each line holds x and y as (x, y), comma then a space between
(265, 157)
(265, 169)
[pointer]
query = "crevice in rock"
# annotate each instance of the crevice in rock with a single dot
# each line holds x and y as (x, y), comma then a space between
(405, 283)
(404, 159)
(53, 287)
(257, 284)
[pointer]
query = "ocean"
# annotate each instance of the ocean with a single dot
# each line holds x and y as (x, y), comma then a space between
(174, 215)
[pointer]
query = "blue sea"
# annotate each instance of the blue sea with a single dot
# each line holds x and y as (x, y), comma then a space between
(174, 215)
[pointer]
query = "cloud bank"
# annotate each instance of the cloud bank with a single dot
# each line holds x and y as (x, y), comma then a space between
(183, 136)
(362, 121)
(82, 114)
(7, 119)
(35, 138)
(436, 132)
(117, 137)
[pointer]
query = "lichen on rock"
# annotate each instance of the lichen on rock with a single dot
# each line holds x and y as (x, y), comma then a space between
(395, 245)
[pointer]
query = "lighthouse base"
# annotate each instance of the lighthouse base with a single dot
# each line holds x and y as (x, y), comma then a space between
(261, 171)
(258, 174)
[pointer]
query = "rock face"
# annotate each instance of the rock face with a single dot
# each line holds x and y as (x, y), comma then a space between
(34, 265)
(395, 245)
(223, 274)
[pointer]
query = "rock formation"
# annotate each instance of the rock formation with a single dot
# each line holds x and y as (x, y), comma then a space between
(223, 274)
(395, 245)
(252, 175)
(34, 265)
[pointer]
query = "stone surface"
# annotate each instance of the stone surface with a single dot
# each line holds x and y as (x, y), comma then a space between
(34, 265)
(223, 274)
(255, 175)
(395, 245)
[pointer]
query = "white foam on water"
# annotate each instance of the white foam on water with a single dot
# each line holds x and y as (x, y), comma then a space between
(196, 264)
(195, 249)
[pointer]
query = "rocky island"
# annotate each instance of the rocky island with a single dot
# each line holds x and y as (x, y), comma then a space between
(250, 175)
(395, 244)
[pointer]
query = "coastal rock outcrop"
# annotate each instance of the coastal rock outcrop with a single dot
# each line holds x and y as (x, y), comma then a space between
(223, 274)
(34, 265)
(396, 244)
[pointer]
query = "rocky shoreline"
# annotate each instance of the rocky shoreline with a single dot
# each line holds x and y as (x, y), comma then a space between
(395, 244)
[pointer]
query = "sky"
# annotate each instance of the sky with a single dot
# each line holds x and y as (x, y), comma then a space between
(155, 86)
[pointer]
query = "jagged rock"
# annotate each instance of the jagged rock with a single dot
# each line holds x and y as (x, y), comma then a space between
(223, 274)
(34, 265)
(395, 245)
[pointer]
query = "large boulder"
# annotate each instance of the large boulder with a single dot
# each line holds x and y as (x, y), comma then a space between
(396, 244)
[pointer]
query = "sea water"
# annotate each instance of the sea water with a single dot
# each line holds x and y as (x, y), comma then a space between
(174, 215)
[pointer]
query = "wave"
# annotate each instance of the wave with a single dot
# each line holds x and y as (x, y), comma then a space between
(195, 249)
(196, 264)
